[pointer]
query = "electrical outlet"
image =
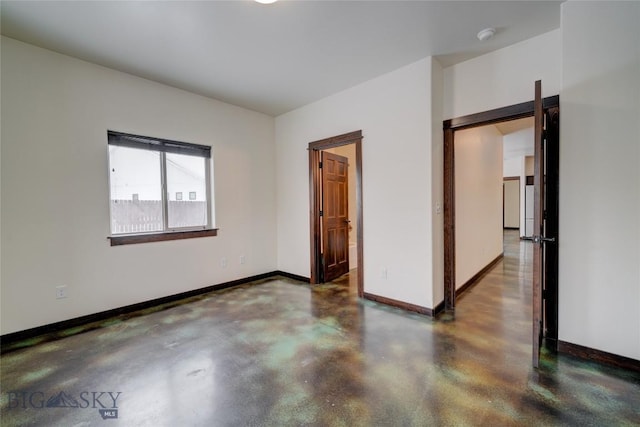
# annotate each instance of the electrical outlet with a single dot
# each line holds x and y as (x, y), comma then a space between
(61, 292)
(223, 262)
(243, 260)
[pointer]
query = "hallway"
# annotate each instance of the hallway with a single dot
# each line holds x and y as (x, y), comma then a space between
(282, 353)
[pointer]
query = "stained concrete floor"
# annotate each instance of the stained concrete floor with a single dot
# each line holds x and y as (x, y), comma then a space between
(281, 353)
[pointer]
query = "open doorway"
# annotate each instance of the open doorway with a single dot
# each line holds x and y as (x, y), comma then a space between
(489, 172)
(332, 231)
(452, 130)
(518, 155)
(478, 177)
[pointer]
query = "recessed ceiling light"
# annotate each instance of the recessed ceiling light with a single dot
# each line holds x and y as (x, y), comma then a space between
(485, 34)
(265, 1)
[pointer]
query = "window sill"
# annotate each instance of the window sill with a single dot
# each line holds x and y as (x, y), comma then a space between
(132, 239)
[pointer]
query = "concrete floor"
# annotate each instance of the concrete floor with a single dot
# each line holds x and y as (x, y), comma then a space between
(280, 353)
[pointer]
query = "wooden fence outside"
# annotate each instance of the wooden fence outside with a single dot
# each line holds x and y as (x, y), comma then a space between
(139, 216)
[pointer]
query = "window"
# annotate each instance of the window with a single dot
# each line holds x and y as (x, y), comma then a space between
(144, 173)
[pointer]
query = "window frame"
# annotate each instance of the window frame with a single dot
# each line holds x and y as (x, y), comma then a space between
(162, 147)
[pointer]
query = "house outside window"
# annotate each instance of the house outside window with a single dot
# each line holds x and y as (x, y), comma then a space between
(147, 179)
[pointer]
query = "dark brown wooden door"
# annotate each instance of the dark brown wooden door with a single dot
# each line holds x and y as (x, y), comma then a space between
(335, 216)
(538, 222)
(551, 226)
(545, 225)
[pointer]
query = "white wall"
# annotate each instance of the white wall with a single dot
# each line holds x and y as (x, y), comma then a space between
(437, 182)
(393, 111)
(503, 77)
(55, 193)
(599, 177)
(478, 181)
(513, 166)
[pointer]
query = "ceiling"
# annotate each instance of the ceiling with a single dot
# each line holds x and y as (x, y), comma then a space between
(271, 58)
(521, 146)
(512, 126)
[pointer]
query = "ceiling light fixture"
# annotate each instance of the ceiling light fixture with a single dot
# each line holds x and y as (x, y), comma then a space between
(485, 34)
(265, 1)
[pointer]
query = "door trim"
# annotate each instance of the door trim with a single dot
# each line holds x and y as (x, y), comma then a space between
(315, 202)
(450, 126)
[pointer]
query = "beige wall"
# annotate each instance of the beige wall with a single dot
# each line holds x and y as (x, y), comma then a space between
(55, 111)
(529, 168)
(511, 204)
(55, 192)
(478, 194)
(503, 77)
(599, 270)
(437, 182)
(401, 116)
(596, 75)
(394, 113)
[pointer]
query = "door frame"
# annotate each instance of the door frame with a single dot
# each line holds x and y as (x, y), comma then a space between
(512, 112)
(315, 203)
